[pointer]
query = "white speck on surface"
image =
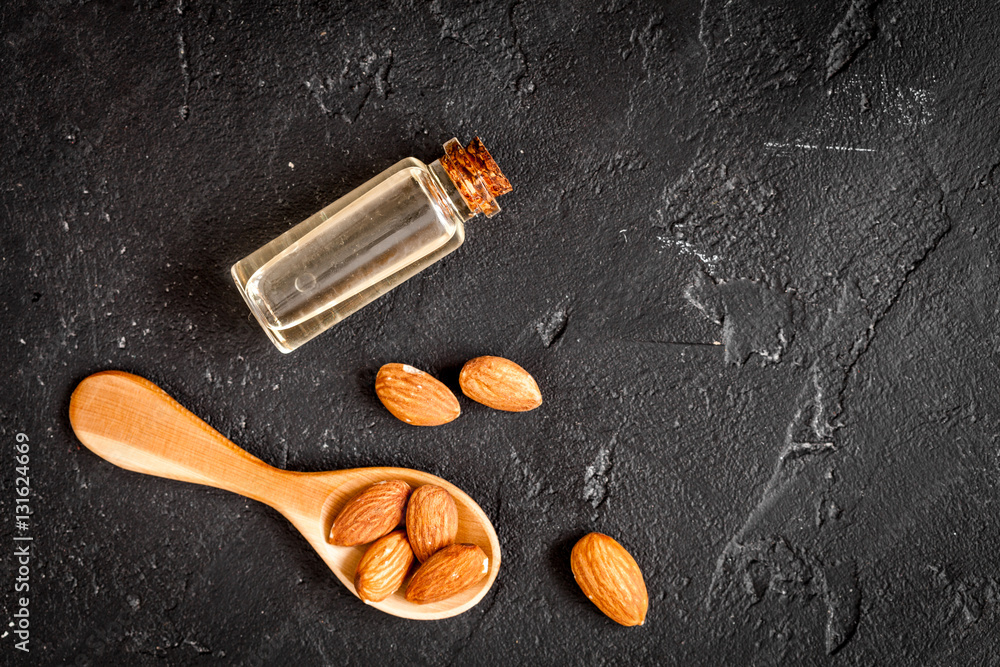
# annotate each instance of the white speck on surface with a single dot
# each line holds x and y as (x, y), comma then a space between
(291, 165)
(21, 341)
(121, 342)
(799, 448)
(921, 113)
(596, 477)
(813, 147)
(685, 248)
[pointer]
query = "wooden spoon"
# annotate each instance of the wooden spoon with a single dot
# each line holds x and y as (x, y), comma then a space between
(134, 424)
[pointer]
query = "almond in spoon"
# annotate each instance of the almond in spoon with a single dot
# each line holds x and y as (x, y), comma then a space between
(500, 384)
(449, 571)
(370, 514)
(383, 567)
(431, 520)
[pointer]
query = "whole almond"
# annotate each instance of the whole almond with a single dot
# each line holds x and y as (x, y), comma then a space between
(447, 572)
(370, 514)
(431, 520)
(414, 396)
(383, 567)
(610, 577)
(500, 384)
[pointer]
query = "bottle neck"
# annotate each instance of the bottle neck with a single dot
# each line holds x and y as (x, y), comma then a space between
(474, 175)
(449, 192)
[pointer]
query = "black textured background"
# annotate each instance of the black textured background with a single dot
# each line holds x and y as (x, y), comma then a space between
(812, 185)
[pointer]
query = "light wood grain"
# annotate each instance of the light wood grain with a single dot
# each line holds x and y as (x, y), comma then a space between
(134, 424)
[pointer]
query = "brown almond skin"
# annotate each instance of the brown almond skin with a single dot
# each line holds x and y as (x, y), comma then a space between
(383, 567)
(610, 577)
(431, 520)
(447, 572)
(371, 514)
(414, 396)
(500, 384)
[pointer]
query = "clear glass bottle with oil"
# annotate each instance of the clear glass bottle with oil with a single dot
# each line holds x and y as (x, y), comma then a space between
(367, 242)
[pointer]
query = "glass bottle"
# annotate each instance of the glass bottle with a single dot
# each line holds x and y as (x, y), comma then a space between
(367, 242)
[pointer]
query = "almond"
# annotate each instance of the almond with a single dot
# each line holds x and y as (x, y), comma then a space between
(414, 396)
(383, 567)
(431, 520)
(370, 514)
(500, 384)
(449, 571)
(610, 577)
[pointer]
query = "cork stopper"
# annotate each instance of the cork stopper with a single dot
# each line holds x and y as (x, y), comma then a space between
(476, 175)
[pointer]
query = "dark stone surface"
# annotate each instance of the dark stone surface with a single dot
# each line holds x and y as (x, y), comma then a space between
(812, 184)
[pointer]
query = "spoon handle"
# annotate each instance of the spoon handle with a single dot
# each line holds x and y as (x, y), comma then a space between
(134, 424)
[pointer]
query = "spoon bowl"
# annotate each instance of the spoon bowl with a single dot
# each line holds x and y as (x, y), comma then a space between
(135, 425)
